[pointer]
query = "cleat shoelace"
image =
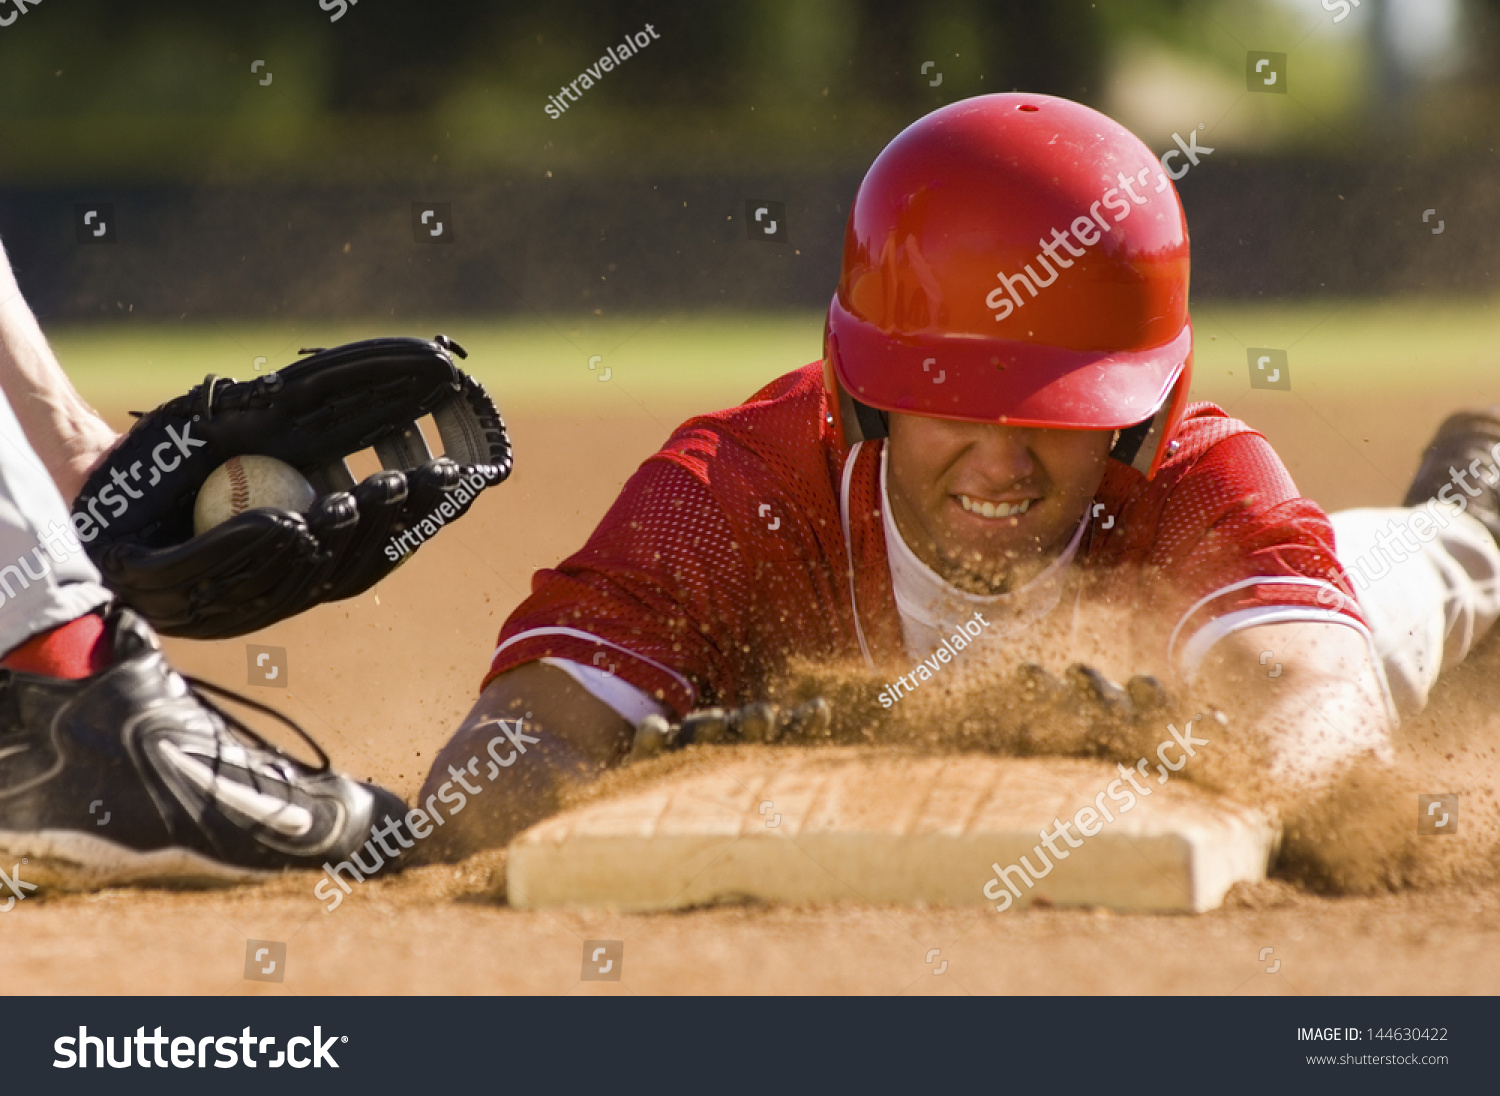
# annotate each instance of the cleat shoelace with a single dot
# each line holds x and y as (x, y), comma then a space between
(201, 691)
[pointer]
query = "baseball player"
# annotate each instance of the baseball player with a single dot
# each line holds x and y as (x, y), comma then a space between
(1002, 409)
(113, 767)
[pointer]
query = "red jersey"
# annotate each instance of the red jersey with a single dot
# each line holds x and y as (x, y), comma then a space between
(753, 536)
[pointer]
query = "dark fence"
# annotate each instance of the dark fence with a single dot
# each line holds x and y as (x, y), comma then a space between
(512, 245)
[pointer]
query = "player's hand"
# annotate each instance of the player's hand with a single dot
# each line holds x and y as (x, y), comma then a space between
(1084, 711)
(758, 722)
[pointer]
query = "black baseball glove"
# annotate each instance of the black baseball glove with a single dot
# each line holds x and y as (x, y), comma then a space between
(135, 513)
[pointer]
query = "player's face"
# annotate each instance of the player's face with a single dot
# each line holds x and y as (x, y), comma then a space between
(987, 506)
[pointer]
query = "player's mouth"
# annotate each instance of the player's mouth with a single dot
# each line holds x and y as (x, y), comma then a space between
(994, 509)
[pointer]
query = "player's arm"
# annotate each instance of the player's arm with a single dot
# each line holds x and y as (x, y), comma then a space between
(577, 737)
(66, 432)
(642, 616)
(1248, 529)
(1323, 708)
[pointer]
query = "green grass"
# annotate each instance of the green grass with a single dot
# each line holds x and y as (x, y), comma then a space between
(1354, 347)
(716, 359)
(713, 359)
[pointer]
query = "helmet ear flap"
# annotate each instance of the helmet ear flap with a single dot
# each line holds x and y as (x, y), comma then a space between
(1136, 445)
(853, 421)
(1145, 445)
(857, 421)
(873, 423)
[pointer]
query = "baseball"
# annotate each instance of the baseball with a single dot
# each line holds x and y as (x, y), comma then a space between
(250, 482)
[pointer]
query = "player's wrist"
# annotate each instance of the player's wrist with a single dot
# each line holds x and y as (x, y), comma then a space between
(79, 451)
(509, 771)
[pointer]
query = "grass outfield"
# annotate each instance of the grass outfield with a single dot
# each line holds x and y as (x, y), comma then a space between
(528, 363)
(717, 359)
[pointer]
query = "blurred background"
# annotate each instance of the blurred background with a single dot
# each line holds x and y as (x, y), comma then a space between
(285, 188)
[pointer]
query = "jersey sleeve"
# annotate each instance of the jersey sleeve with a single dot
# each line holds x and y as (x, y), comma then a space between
(1236, 546)
(651, 598)
(722, 559)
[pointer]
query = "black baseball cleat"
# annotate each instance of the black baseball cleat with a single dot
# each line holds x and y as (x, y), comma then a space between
(1463, 455)
(133, 776)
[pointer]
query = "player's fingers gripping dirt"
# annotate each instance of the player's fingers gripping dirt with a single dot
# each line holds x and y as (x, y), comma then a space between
(758, 722)
(1084, 711)
(201, 519)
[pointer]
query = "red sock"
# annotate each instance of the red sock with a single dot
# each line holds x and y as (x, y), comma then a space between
(76, 649)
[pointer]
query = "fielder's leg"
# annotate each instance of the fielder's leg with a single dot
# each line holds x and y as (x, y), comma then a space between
(46, 579)
(114, 770)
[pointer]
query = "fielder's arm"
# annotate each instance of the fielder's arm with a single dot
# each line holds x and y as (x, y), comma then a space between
(566, 736)
(1323, 708)
(66, 433)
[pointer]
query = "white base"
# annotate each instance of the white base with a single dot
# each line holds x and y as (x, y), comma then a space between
(800, 825)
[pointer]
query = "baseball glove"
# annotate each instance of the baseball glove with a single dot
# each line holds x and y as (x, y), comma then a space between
(135, 513)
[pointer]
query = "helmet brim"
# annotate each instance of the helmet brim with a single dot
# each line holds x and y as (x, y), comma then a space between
(975, 379)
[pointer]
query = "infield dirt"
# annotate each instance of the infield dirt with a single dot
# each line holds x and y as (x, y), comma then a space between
(382, 680)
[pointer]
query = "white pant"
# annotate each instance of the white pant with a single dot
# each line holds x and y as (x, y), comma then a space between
(1428, 596)
(46, 579)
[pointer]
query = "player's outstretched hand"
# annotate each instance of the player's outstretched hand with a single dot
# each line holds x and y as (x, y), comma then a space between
(135, 513)
(1084, 711)
(758, 722)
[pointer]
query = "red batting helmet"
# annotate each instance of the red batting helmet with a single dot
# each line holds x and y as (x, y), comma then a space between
(1015, 259)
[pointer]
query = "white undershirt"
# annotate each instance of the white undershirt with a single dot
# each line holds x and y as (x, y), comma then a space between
(631, 704)
(932, 607)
